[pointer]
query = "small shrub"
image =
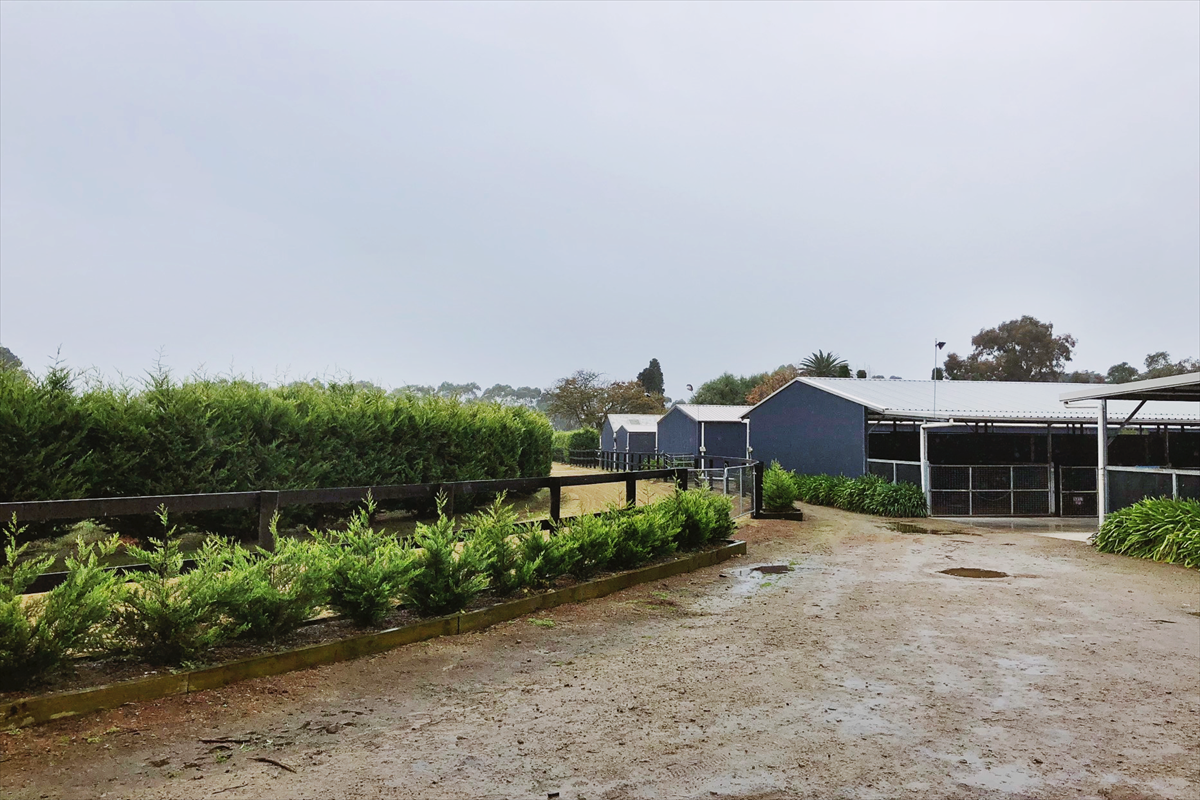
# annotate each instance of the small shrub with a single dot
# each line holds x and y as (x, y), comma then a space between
(543, 558)
(38, 636)
(858, 494)
(365, 570)
(779, 490)
(899, 500)
(166, 616)
(444, 579)
(269, 594)
(586, 546)
(495, 539)
(701, 516)
(1156, 528)
(637, 538)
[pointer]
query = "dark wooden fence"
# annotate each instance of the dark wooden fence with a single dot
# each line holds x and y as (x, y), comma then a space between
(267, 502)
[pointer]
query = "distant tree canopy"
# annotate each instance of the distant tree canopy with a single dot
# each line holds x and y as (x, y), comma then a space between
(8, 359)
(1024, 349)
(1159, 365)
(651, 378)
(727, 390)
(585, 399)
(773, 383)
(1121, 373)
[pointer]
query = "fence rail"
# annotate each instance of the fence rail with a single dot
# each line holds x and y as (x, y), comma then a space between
(267, 502)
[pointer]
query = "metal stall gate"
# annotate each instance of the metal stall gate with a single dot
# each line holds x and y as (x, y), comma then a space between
(1077, 491)
(735, 482)
(1019, 490)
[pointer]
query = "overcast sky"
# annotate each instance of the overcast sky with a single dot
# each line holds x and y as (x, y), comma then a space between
(413, 193)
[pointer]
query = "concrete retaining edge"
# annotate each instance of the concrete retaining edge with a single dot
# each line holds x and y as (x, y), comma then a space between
(45, 708)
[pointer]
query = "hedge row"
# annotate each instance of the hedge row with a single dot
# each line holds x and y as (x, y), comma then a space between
(578, 439)
(1156, 528)
(165, 617)
(167, 437)
(866, 494)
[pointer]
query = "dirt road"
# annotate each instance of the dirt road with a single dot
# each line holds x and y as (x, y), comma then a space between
(862, 673)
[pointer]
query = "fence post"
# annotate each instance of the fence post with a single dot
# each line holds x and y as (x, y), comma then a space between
(759, 470)
(681, 477)
(631, 491)
(268, 504)
(555, 499)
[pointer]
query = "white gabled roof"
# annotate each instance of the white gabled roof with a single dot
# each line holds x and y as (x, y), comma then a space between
(635, 423)
(703, 413)
(988, 401)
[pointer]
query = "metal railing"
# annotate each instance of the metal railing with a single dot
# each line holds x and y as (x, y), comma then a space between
(1012, 490)
(1127, 485)
(895, 471)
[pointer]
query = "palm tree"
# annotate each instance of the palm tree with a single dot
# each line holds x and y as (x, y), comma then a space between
(825, 365)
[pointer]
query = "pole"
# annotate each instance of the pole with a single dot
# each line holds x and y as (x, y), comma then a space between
(925, 469)
(1102, 461)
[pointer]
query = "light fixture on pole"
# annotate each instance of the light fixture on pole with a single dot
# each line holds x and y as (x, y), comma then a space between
(936, 377)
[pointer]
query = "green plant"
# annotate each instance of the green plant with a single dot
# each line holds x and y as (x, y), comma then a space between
(542, 559)
(364, 569)
(445, 579)
(38, 635)
(779, 489)
(700, 516)
(586, 545)
(166, 616)
(858, 494)
(269, 594)
(899, 500)
(1156, 528)
(639, 537)
(495, 537)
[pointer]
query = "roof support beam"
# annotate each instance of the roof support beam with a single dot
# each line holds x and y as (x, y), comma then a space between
(1132, 414)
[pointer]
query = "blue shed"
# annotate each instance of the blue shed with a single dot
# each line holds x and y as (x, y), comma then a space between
(630, 433)
(719, 430)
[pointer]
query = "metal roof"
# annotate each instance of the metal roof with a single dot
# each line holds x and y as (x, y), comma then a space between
(703, 413)
(1175, 387)
(986, 401)
(635, 423)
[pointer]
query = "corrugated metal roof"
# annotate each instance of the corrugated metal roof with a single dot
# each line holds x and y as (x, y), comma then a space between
(635, 423)
(703, 413)
(988, 401)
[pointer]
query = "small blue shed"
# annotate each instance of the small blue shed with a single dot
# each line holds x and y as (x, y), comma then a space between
(690, 429)
(630, 433)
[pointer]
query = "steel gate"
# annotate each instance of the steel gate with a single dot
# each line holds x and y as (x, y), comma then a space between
(1017, 490)
(1077, 491)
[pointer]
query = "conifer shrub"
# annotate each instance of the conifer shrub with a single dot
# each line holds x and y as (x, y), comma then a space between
(166, 616)
(779, 489)
(543, 559)
(701, 516)
(586, 545)
(637, 538)
(364, 570)
(39, 635)
(495, 537)
(445, 578)
(266, 595)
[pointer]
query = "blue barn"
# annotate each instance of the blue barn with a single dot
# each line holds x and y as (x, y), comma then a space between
(713, 431)
(630, 433)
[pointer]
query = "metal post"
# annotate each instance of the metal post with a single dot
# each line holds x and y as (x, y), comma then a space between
(1102, 461)
(1050, 483)
(759, 470)
(268, 505)
(925, 469)
(1012, 491)
(1174, 485)
(970, 491)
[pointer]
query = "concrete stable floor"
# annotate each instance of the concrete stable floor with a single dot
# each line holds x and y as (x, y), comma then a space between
(1075, 529)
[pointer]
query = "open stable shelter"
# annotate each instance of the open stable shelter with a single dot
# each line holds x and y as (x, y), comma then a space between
(702, 430)
(981, 448)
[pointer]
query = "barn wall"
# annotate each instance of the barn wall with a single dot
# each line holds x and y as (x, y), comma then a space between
(678, 433)
(642, 442)
(810, 431)
(725, 439)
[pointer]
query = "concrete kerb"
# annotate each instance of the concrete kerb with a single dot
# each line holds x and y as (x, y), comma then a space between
(45, 708)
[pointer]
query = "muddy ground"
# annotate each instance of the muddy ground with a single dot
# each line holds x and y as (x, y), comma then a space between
(862, 673)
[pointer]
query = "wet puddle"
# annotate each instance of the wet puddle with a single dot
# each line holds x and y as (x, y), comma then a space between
(908, 527)
(971, 572)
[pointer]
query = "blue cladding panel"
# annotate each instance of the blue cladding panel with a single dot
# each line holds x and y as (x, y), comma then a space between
(810, 431)
(678, 434)
(642, 442)
(725, 439)
(622, 439)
